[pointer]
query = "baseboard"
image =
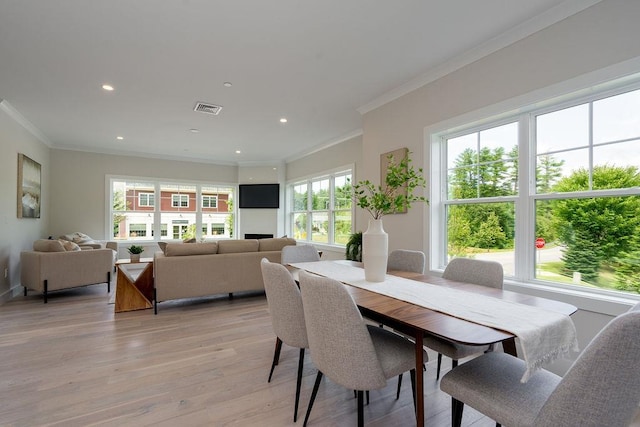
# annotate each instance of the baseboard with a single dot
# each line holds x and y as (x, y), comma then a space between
(7, 295)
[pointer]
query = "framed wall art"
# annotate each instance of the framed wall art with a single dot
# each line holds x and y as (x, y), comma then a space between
(29, 187)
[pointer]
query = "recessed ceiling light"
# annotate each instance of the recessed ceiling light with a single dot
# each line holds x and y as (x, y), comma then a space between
(227, 84)
(107, 87)
(238, 151)
(119, 138)
(194, 130)
(283, 120)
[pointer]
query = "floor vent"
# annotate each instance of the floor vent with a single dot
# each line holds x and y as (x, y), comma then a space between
(207, 108)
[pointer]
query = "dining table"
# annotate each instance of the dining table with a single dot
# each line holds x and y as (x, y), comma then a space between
(415, 320)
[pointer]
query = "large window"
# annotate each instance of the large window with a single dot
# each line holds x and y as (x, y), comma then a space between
(320, 209)
(552, 194)
(136, 216)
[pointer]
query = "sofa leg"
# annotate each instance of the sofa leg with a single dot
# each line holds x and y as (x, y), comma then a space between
(155, 302)
(108, 282)
(230, 295)
(25, 291)
(46, 285)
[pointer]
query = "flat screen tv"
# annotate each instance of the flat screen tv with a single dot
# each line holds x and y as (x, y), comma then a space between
(259, 196)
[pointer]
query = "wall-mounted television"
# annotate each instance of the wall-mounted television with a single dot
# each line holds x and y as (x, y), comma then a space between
(259, 196)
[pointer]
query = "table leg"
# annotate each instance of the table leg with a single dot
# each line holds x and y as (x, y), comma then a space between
(419, 380)
(509, 346)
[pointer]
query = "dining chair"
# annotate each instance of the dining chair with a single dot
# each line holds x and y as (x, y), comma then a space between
(602, 387)
(299, 253)
(344, 348)
(287, 316)
(467, 270)
(406, 260)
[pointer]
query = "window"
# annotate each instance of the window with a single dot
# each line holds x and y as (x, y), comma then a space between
(209, 201)
(136, 216)
(320, 208)
(146, 199)
(552, 194)
(180, 200)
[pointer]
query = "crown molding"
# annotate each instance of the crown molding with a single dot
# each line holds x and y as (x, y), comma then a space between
(347, 136)
(22, 121)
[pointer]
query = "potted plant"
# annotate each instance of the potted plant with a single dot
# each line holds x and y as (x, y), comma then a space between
(354, 247)
(396, 195)
(134, 252)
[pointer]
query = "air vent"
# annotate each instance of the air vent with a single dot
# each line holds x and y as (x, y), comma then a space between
(207, 108)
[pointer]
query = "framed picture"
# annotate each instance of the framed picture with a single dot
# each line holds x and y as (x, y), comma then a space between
(29, 185)
(397, 155)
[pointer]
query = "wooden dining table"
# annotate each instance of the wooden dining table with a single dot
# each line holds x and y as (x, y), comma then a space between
(416, 321)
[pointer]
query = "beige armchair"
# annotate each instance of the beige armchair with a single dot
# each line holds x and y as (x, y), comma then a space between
(49, 267)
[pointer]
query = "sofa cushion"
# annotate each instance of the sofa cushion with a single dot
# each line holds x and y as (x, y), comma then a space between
(45, 245)
(275, 244)
(69, 246)
(237, 246)
(182, 249)
(163, 246)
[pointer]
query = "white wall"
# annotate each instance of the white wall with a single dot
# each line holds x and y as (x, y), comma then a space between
(262, 221)
(18, 234)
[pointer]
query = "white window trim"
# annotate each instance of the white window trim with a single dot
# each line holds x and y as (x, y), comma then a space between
(147, 205)
(606, 82)
(179, 197)
(210, 197)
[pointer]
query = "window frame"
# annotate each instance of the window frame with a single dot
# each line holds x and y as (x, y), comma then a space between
(209, 197)
(330, 212)
(149, 196)
(525, 200)
(177, 200)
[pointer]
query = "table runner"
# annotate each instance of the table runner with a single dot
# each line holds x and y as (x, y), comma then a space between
(544, 335)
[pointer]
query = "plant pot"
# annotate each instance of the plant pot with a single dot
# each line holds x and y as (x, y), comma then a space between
(134, 257)
(375, 249)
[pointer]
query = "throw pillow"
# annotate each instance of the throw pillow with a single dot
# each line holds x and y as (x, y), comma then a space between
(45, 245)
(69, 246)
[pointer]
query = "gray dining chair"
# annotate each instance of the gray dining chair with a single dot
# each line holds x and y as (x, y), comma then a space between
(406, 260)
(602, 387)
(345, 349)
(467, 270)
(299, 253)
(287, 316)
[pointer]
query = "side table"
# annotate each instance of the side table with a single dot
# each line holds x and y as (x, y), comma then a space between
(134, 288)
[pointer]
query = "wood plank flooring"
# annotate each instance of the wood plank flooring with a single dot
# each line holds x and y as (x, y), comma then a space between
(205, 362)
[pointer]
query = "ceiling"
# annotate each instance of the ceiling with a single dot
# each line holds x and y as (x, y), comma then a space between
(318, 63)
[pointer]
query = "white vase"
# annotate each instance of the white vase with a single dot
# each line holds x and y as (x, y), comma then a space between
(375, 248)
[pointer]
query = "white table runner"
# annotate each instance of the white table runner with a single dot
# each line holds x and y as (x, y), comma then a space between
(544, 335)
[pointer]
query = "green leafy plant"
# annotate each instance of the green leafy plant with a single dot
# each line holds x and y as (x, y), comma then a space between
(397, 194)
(135, 249)
(354, 247)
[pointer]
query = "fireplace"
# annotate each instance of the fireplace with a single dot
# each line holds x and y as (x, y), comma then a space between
(257, 236)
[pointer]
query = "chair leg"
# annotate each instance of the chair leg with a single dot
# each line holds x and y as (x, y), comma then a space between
(399, 385)
(412, 376)
(276, 357)
(456, 412)
(313, 397)
(46, 289)
(367, 393)
(360, 409)
(439, 364)
(298, 383)
(454, 364)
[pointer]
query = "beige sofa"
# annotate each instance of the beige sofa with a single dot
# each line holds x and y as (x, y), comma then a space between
(51, 267)
(189, 270)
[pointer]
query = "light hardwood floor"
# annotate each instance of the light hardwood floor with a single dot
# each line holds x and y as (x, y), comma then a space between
(73, 362)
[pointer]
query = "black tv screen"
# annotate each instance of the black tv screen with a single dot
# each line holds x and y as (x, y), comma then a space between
(259, 196)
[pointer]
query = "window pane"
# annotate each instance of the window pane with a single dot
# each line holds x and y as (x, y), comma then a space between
(623, 154)
(300, 197)
(482, 231)
(130, 205)
(342, 192)
(456, 146)
(320, 227)
(177, 197)
(563, 129)
(593, 242)
(617, 118)
(137, 230)
(320, 195)
(342, 227)
(551, 168)
(180, 225)
(300, 226)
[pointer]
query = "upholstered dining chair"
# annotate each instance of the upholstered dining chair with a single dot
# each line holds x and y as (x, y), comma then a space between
(287, 316)
(602, 387)
(345, 349)
(467, 270)
(406, 260)
(299, 253)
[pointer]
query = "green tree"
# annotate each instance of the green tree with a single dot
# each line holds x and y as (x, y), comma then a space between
(548, 172)
(490, 234)
(229, 220)
(119, 205)
(597, 230)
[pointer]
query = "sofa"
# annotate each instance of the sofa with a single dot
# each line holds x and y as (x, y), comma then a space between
(57, 264)
(189, 270)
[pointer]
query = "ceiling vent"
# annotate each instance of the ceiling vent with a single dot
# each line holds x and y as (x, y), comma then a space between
(207, 108)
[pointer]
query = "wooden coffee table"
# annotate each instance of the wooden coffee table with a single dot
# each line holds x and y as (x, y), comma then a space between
(134, 289)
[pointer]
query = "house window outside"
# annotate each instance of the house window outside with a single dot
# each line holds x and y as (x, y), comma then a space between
(146, 199)
(137, 216)
(320, 209)
(552, 194)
